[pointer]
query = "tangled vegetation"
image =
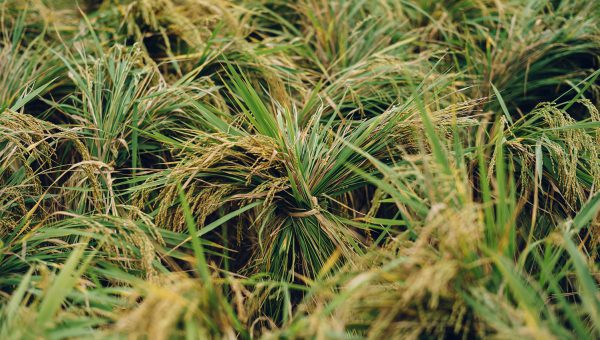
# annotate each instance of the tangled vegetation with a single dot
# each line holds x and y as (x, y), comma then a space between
(308, 169)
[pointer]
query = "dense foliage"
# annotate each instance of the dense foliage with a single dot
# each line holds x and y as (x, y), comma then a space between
(299, 169)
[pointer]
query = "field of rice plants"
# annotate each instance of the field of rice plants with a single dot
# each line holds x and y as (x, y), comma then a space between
(307, 169)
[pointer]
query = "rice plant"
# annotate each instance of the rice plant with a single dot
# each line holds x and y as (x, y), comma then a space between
(314, 169)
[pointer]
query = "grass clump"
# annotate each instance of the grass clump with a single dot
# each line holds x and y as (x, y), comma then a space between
(316, 169)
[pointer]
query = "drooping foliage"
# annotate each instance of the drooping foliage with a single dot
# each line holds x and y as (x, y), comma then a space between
(307, 169)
